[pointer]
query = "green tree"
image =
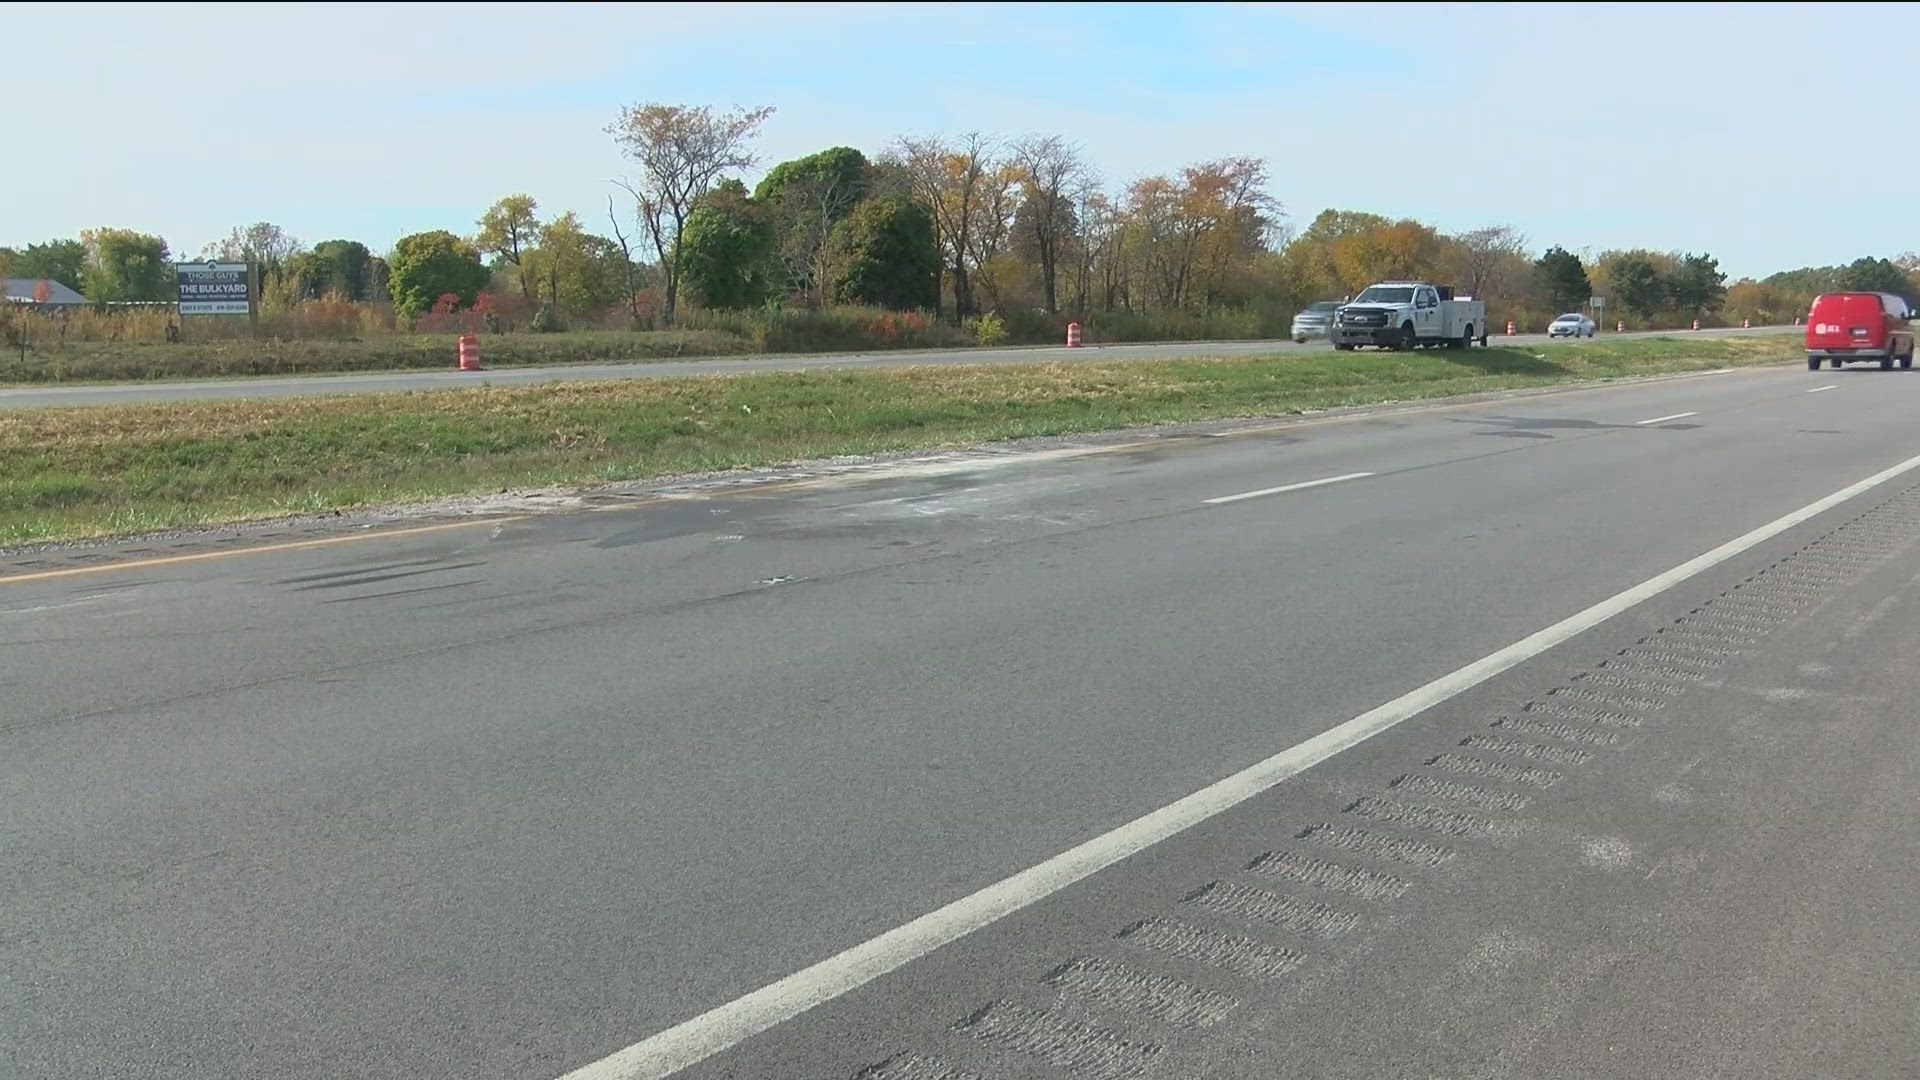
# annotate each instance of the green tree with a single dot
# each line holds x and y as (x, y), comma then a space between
(841, 169)
(333, 266)
(804, 199)
(1696, 286)
(428, 265)
(349, 265)
(1563, 278)
(1638, 285)
(884, 254)
(573, 269)
(126, 265)
(64, 261)
(727, 258)
(507, 229)
(1860, 275)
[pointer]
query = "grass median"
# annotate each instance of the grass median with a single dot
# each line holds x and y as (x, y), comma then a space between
(69, 473)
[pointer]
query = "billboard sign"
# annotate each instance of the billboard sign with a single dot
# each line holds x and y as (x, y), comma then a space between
(213, 288)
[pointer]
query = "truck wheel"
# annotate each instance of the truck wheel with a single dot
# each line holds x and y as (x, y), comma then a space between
(1342, 346)
(1837, 363)
(1466, 338)
(1813, 363)
(1409, 340)
(1886, 362)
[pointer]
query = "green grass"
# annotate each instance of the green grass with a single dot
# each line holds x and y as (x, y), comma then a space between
(129, 346)
(67, 473)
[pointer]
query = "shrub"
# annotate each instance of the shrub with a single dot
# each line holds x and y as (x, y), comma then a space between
(989, 329)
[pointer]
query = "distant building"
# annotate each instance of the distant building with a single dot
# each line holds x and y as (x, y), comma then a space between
(22, 290)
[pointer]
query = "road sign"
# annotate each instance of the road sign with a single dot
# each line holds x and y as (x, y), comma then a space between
(213, 288)
(1597, 302)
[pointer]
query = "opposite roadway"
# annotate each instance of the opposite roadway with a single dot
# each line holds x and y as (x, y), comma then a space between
(379, 381)
(505, 798)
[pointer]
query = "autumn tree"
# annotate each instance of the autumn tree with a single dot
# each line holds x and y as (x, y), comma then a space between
(946, 179)
(680, 152)
(264, 244)
(989, 239)
(507, 229)
(426, 266)
(1103, 252)
(1230, 215)
(1399, 250)
(1049, 168)
(126, 265)
(1487, 257)
(575, 269)
(620, 256)
(1309, 259)
(1159, 238)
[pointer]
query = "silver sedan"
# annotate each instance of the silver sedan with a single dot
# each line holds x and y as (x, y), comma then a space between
(1572, 324)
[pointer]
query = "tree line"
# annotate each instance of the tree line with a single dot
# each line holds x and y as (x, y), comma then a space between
(959, 226)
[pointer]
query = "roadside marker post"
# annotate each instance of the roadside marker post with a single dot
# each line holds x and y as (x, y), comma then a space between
(469, 353)
(1746, 324)
(1696, 324)
(1073, 335)
(1509, 327)
(1620, 326)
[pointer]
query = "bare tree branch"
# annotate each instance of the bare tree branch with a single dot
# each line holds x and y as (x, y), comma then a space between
(680, 151)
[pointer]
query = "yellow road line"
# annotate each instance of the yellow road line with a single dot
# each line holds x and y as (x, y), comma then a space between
(295, 545)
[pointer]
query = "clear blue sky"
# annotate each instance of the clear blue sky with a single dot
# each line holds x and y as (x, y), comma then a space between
(1772, 135)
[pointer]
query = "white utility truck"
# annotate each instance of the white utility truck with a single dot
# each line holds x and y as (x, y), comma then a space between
(1407, 315)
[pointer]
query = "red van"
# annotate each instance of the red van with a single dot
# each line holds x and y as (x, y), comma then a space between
(1847, 326)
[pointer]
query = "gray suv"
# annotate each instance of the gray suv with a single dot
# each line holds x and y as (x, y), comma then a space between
(1313, 322)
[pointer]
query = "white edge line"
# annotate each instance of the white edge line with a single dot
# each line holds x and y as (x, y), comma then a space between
(1664, 419)
(1817, 389)
(1287, 487)
(699, 1038)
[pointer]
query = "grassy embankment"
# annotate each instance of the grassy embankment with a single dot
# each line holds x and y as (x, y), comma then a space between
(115, 346)
(77, 472)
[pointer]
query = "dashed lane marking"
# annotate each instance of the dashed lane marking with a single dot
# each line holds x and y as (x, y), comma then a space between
(1287, 487)
(700, 1037)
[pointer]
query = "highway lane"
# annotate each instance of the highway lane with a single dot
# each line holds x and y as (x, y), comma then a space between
(390, 381)
(502, 800)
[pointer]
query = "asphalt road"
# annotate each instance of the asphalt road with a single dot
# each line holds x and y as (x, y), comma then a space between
(387, 381)
(505, 798)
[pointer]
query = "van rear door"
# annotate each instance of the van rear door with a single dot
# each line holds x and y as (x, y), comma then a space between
(1847, 322)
